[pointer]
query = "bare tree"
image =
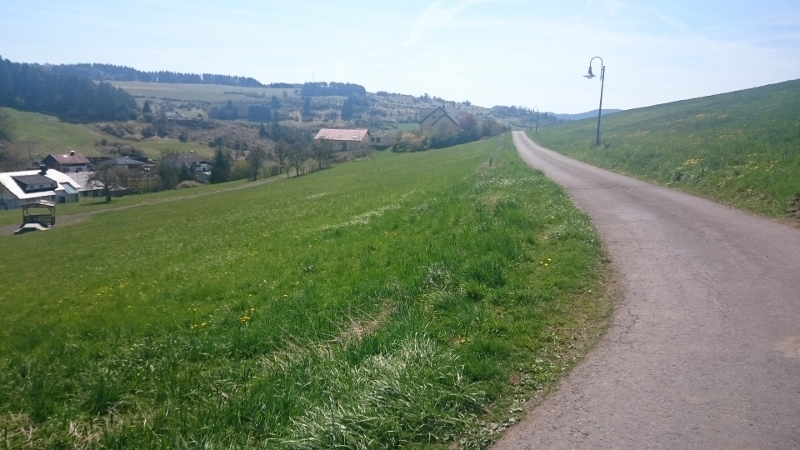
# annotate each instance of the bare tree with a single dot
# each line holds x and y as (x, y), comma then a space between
(296, 157)
(281, 150)
(255, 159)
(111, 177)
(322, 152)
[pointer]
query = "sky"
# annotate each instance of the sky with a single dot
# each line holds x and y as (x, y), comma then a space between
(531, 54)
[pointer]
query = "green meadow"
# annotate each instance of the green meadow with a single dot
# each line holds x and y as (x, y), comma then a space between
(401, 301)
(740, 148)
(14, 216)
(215, 93)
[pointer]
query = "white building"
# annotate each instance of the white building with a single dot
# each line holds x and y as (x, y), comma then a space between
(28, 186)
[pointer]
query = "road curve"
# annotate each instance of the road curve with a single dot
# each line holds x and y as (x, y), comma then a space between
(704, 347)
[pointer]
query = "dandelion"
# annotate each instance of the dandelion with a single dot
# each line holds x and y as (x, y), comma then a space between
(244, 319)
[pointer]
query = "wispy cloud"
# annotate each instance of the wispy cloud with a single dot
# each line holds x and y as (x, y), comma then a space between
(436, 16)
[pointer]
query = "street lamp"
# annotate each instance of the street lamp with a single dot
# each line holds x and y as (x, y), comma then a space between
(590, 75)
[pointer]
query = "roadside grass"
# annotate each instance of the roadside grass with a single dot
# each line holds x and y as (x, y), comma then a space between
(740, 148)
(42, 134)
(407, 300)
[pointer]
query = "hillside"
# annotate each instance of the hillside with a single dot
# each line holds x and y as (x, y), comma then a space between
(740, 148)
(36, 135)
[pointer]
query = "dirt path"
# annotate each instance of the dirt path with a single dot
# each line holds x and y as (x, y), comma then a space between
(72, 218)
(704, 349)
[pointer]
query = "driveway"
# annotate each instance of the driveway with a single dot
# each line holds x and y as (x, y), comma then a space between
(704, 348)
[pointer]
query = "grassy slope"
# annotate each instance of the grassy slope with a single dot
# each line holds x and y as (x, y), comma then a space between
(388, 302)
(44, 134)
(740, 148)
(215, 93)
(14, 216)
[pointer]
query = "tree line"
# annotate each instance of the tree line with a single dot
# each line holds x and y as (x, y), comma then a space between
(110, 72)
(33, 87)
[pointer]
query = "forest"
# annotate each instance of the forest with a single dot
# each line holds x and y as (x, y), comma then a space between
(32, 87)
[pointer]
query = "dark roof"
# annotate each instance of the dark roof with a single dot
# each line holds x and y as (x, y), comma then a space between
(123, 162)
(28, 180)
(71, 158)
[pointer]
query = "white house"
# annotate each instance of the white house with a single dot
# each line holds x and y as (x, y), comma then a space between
(28, 186)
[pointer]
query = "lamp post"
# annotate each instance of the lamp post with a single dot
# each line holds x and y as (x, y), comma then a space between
(537, 119)
(590, 75)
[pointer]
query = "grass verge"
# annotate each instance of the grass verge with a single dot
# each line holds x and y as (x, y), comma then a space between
(740, 148)
(408, 300)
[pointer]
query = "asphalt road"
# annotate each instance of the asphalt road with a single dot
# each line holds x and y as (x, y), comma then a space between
(704, 348)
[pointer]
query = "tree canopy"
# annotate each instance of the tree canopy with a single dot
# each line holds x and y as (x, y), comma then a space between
(31, 87)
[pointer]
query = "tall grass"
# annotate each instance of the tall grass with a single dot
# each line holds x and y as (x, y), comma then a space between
(740, 148)
(401, 301)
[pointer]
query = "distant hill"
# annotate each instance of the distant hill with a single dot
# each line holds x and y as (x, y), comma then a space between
(32, 87)
(109, 72)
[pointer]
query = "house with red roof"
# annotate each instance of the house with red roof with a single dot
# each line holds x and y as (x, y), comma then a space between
(345, 139)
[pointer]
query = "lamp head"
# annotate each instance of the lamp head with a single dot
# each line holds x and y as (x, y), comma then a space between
(589, 75)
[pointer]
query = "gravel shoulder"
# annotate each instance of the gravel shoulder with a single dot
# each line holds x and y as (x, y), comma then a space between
(704, 347)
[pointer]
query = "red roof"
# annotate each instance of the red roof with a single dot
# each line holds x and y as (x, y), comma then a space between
(340, 134)
(71, 158)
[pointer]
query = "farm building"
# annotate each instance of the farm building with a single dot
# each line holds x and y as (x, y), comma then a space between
(344, 139)
(27, 186)
(383, 140)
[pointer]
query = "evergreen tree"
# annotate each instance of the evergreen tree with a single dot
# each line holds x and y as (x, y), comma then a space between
(220, 167)
(347, 109)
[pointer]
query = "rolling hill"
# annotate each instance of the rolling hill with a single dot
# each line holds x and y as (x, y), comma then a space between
(740, 148)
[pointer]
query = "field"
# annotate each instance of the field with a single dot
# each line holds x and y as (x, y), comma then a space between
(740, 148)
(214, 93)
(41, 135)
(406, 300)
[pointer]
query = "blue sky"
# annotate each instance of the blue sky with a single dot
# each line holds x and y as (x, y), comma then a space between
(491, 52)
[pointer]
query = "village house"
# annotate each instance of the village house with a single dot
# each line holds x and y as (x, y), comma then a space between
(195, 162)
(438, 122)
(28, 186)
(71, 162)
(126, 162)
(344, 139)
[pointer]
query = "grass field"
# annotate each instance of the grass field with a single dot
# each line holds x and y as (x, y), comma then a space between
(42, 134)
(14, 216)
(740, 148)
(407, 300)
(214, 93)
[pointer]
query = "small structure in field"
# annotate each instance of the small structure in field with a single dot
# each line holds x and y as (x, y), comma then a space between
(41, 219)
